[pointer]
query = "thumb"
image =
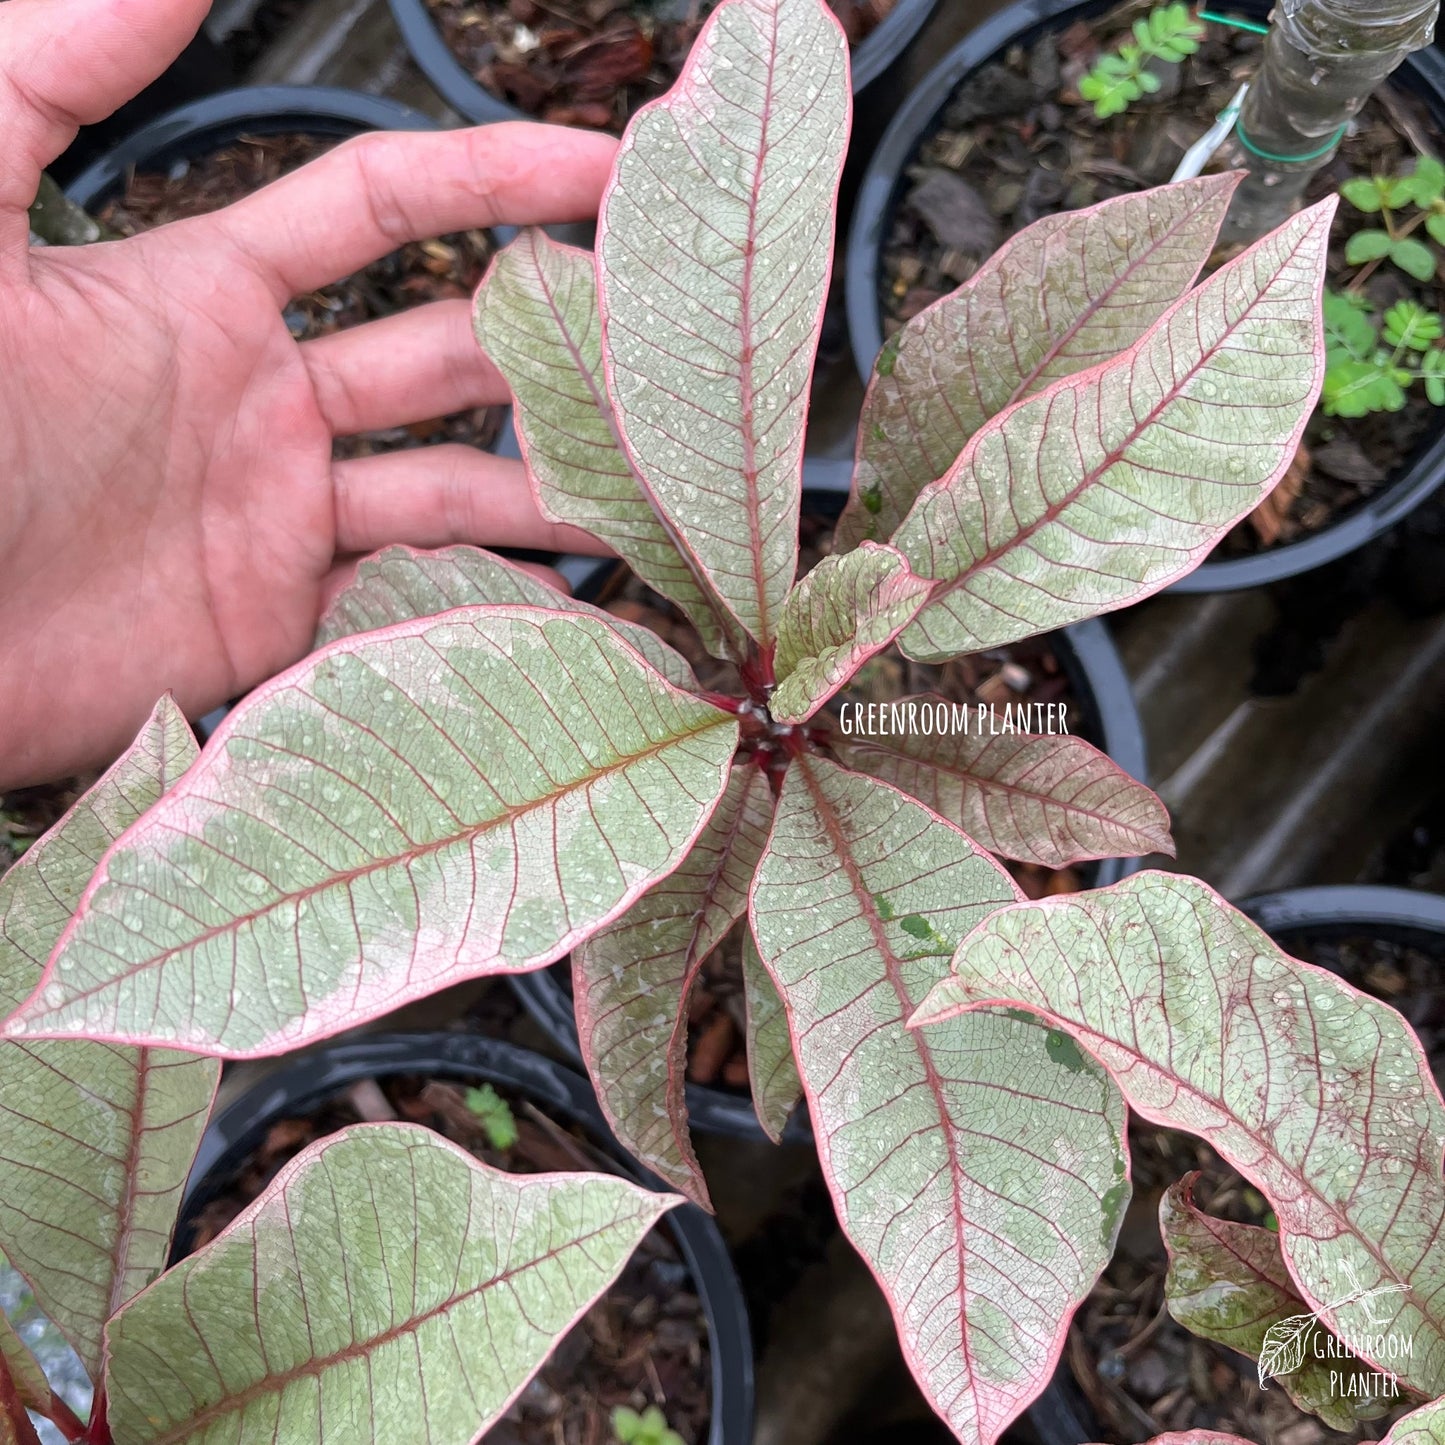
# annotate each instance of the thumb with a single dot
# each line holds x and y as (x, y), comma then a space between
(68, 63)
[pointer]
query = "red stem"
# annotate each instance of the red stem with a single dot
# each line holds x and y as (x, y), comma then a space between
(752, 728)
(12, 1410)
(774, 766)
(757, 675)
(722, 700)
(65, 1419)
(99, 1431)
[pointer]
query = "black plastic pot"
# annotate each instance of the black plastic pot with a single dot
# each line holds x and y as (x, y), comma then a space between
(547, 997)
(217, 120)
(1061, 1415)
(1110, 720)
(1400, 915)
(300, 1087)
(201, 69)
(454, 83)
(878, 196)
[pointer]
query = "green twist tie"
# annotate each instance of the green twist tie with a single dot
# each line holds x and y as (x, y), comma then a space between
(1256, 28)
(1251, 25)
(1313, 155)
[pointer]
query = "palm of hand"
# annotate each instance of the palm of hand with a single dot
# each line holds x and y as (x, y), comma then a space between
(186, 524)
(172, 518)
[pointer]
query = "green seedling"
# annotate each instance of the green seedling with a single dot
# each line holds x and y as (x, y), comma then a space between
(648, 1428)
(1122, 76)
(496, 1116)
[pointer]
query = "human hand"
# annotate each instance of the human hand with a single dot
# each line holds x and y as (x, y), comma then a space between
(170, 515)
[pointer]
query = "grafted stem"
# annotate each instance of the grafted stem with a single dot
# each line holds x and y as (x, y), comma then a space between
(1322, 61)
(58, 221)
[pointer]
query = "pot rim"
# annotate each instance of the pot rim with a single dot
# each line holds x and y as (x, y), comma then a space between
(454, 83)
(1018, 23)
(266, 109)
(303, 1083)
(1398, 913)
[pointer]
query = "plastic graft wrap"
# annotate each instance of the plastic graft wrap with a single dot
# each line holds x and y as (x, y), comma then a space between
(1322, 60)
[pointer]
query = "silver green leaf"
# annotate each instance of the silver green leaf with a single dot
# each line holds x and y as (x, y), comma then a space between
(402, 583)
(31, 1387)
(1064, 294)
(96, 1140)
(715, 246)
(772, 1072)
(452, 797)
(1426, 1426)
(386, 1289)
(633, 980)
(1318, 1094)
(1051, 800)
(843, 612)
(1110, 484)
(38, 895)
(1228, 1282)
(536, 317)
(982, 1175)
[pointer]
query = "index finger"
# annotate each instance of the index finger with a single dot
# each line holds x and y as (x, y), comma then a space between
(374, 193)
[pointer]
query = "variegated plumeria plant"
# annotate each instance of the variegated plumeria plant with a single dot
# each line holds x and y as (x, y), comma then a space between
(385, 1287)
(476, 775)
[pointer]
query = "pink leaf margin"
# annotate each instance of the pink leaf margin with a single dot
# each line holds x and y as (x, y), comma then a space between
(216, 745)
(524, 442)
(1005, 1412)
(144, 1063)
(676, 1042)
(986, 271)
(1323, 213)
(1070, 1027)
(308, 1156)
(687, 85)
(727, 623)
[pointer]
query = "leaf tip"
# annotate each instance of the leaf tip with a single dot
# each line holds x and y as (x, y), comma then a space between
(685, 1182)
(1217, 188)
(1158, 832)
(666, 1203)
(940, 1004)
(772, 1131)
